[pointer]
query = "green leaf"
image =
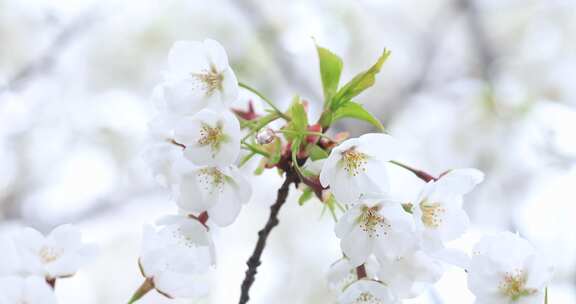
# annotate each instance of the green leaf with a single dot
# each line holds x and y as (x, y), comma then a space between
(326, 119)
(330, 205)
(276, 154)
(359, 83)
(407, 207)
(260, 169)
(316, 152)
(298, 125)
(305, 196)
(330, 71)
(256, 149)
(356, 111)
(298, 115)
(246, 158)
(296, 146)
(546, 296)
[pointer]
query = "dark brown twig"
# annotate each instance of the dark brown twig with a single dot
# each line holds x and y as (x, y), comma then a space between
(254, 260)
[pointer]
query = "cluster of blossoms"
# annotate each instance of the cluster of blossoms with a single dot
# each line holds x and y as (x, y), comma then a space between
(392, 250)
(196, 144)
(31, 263)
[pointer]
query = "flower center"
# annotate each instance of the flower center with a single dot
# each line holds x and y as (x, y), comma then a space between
(212, 179)
(354, 161)
(211, 136)
(211, 80)
(370, 220)
(513, 285)
(432, 214)
(367, 298)
(49, 254)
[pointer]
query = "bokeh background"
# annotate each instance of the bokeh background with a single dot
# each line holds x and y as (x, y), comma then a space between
(488, 84)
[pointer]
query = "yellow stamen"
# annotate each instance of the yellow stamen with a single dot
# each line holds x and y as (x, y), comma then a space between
(354, 161)
(49, 254)
(513, 285)
(211, 80)
(211, 136)
(212, 179)
(367, 298)
(370, 220)
(431, 214)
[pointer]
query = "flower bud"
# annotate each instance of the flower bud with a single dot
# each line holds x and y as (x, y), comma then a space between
(313, 128)
(265, 136)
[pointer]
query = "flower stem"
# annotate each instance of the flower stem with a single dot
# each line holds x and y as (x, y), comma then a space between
(304, 133)
(263, 122)
(266, 100)
(419, 173)
(146, 286)
(255, 149)
(254, 260)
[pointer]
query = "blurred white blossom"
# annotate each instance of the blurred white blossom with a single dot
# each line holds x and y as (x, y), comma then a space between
(160, 157)
(10, 263)
(410, 274)
(177, 256)
(29, 290)
(342, 273)
(505, 269)
(59, 254)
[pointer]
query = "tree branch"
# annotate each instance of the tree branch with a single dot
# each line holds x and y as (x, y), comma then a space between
(270, 38)
(476, 27)
(254, 260)
(50, 56)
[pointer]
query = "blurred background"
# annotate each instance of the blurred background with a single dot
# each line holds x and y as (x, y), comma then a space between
(488, 84)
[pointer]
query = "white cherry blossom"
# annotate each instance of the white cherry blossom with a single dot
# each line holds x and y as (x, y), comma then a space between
(366, 291)
(356, 168)
(438, 211)
(160, 153)
(342, 273)
(177, 256)
(28, 290)
(160, 157)
(211, 138)
(506, 269)
(198, 76)
(409, 274)
(221, 191)
(59, 254)
(380, 227)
